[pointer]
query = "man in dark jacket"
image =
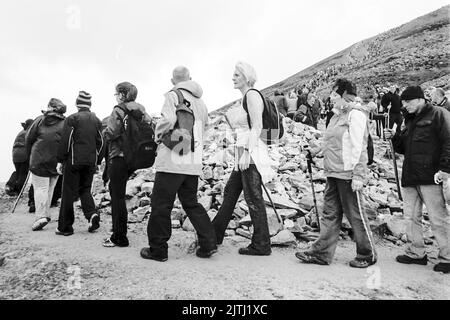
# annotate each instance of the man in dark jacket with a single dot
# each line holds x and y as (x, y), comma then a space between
(425, 142)
(394, 111)
(20, 160)
(78, 154)
(42, 142)
(280, 102)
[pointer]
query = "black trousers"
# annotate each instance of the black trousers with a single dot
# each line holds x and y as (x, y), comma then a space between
(159, 228)
(118, 174)
(396, 118)
(250, 182)
(21, 174)
(76, 179)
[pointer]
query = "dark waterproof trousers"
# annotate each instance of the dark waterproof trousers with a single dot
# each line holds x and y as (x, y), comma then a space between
(77, 179)
(250, 182)
(118, 175)
(339, 199)
(159, 229)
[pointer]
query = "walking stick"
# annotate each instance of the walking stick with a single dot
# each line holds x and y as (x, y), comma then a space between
(21, 192)
(394, 127)
(273, 205)
(309, 162)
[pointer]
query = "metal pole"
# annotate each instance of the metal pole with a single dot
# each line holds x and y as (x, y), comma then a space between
(21, 192)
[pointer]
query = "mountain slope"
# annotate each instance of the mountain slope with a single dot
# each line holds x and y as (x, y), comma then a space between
(417, 52)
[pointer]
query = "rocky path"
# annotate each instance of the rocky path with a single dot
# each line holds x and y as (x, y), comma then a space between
(41, 265)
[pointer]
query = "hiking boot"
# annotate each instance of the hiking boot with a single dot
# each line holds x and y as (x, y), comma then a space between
(147, 254)
(94, 223)
(205, 254)
(39, 224)
(361, 263)
(307, 257)
(442, 267)
(408, 260)
(63, 233)
(32, 209)
(249, 251)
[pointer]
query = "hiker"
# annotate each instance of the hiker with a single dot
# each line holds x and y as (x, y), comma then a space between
(395, 115)
(251, 168)
(439, 99)
(178, 173)
(291, 106)
(345, 157)
(280, 102)
(118, 171)
(78, 156)
(42, 142)
(309, 112)
(425, 142)
(20, 160)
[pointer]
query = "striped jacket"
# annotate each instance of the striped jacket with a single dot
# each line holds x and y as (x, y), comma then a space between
(345, 144)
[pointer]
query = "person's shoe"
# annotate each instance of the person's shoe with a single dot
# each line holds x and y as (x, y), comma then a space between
(63, 233)
(32, 209)
(442, 267)
(408, 260)
(361, 263)
(146, 254)
(94, 223)
(39, 224)
(109, 243)
(307, 257)
(249, 251)
(205, 254)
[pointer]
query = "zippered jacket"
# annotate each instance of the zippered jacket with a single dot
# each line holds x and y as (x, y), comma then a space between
(345, 144)
(425, 142)
(82, 141)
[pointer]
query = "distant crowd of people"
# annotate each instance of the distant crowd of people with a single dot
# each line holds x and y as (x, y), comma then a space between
(53, 145)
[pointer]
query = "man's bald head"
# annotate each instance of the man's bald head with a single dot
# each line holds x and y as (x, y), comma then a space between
(180, 74)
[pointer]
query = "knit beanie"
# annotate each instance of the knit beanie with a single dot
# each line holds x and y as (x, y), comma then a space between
(413, 92)
(83, 100)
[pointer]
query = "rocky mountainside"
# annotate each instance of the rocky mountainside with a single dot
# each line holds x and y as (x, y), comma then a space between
(417, 52)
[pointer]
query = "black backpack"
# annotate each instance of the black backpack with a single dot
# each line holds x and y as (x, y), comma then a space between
(138, 140)
(273, 129)
(181, 138)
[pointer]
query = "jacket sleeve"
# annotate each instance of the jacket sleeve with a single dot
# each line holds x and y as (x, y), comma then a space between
(444, 137)
(31, 136)
(113, 129)
(358, 140)
(398, 141)
(168, 116)
(385, 101)
(64, 145)
(99, 143)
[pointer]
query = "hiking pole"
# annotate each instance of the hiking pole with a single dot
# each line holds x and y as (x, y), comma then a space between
(309, 162)
(273, 205)
(394, 127)
(21, 192)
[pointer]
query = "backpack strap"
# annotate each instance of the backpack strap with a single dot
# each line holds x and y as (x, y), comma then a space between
(244, 104)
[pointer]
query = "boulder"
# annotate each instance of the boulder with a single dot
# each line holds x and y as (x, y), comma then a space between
(133, 186)
(147, 187)
(244, 233)
(206, 202)
(397, 226)
(145, 201)
(187, 225)
(176, 224)
(283, 238)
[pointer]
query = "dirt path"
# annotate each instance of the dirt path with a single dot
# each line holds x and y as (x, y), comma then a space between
(41, 265)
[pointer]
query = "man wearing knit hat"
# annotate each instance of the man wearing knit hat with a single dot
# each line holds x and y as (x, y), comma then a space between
(78, 156)
(425, 142)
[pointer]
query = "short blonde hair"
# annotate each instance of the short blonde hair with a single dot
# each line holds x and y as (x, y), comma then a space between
(248, 72)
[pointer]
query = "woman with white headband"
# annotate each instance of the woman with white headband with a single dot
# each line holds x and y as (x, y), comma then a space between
(252, 164)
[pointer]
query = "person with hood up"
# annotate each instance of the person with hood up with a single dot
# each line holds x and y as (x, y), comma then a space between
(344, 148)
(178, 174)
(118, 170)
(20, 160)
(42, 142)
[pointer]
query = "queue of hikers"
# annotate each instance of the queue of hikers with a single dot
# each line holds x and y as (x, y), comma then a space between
(54, 145)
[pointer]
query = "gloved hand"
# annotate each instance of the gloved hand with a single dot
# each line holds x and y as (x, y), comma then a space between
(357, 184)
(440, 176)
(60, 168)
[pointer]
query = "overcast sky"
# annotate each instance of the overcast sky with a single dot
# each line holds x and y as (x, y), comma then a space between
(57, 48)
